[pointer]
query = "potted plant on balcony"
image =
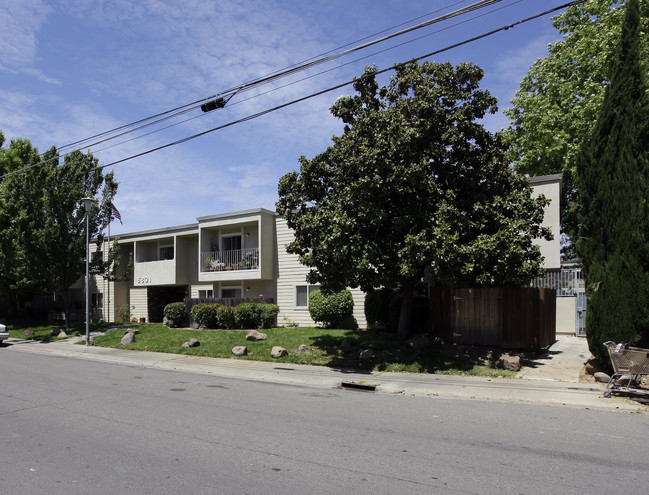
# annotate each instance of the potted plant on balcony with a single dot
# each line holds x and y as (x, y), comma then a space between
(207, 264)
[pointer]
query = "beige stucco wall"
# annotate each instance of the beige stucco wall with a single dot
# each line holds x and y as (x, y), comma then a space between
(550, 187)
(566, 315)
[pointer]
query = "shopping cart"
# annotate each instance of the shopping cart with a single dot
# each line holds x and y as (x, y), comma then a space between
(629, 366)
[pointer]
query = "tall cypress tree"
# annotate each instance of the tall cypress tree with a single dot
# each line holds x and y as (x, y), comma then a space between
(612, 173)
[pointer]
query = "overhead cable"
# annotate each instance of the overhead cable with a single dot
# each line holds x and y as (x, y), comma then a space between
(269, 78)
(342, 85)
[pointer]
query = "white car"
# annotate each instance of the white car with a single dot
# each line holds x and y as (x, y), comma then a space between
(3, 332)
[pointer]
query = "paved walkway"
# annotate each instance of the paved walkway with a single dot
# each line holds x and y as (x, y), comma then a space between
(562, 362)
(553, 379)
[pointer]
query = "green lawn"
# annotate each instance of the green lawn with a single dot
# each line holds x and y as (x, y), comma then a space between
(325, 351)
(44, 332)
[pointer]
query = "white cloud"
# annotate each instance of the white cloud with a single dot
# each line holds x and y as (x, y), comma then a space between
(20, 23)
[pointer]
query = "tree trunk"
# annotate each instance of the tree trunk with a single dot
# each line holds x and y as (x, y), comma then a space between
(66, 305)
(403, 329)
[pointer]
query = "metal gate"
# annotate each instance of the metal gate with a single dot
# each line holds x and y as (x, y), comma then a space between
(568, 282)
(581, 312)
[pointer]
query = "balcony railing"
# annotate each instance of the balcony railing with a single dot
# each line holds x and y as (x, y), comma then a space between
(238, 259)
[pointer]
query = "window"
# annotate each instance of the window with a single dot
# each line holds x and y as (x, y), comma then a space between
(230, 293)
(97, 300)
(231, 243)
(167, 252)
(302, 294)
(202, 294)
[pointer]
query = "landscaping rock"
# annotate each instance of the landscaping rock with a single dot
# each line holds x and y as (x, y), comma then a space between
(132, 330)
(55, 332)
(367, 354)
(240, 350)
(254, 335)
(191, 343)
(278, 352)
(128, 338)
(29, 333)
(418, 342)
(509, 362)
(304, 349)
(62, 335)
(601, 377)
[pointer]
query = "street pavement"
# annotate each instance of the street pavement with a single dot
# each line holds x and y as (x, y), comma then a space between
(553, 379)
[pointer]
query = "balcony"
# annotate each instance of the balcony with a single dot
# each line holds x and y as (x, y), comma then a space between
(234, 260)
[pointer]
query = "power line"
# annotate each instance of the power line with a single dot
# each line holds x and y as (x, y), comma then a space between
(333, 88)
(309, 63)
(315, 74)
(342, 85)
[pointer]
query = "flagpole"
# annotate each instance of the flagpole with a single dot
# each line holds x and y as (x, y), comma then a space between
(110, 219)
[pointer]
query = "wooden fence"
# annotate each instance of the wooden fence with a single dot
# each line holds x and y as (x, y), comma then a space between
(509, 318)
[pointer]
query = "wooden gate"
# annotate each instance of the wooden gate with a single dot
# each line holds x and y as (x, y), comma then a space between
(510, 318)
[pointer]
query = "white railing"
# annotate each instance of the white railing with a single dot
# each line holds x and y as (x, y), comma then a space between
(567, 282)
(238, 259)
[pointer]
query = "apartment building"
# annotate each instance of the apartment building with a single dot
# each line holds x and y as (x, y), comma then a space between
(238, 255)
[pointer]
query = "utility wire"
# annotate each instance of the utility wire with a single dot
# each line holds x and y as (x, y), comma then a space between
(311, 76)
(342, 85)
(134, 126)
(328, 90)
(160, 117)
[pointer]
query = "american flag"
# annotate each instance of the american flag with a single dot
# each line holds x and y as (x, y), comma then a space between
(114, 213)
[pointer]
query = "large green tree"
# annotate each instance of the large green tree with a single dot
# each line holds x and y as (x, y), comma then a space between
(559, 99)
(612, 172)
(42, 221)
(414, 181)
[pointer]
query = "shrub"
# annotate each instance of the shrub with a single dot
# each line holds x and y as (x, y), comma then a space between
(225, 317)
(331, 309)
(176, 314)
(124, 312)
(247, 315)
(377, 307)
(268, 315)
(206, 315)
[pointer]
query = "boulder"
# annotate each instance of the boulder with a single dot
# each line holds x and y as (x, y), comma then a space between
(254, 335)
(509, 362)
(601, 377)
(304, 349)
(128, 338)
(55, 332)
(367, 354)
(191, 343)
(240, 350)
(62, 335)
(278, 352)
(418, 342)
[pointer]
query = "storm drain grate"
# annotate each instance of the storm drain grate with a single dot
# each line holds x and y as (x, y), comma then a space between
(358, 386)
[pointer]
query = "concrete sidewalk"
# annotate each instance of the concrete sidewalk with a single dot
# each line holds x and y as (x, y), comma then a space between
(562, 362)
(552, 380)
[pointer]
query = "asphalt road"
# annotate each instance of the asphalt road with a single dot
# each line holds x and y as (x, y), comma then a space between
(71, 426)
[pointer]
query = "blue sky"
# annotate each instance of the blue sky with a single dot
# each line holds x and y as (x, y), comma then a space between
(72, 69)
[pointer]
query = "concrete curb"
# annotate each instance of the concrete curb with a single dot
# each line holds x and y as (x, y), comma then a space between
(520, 390)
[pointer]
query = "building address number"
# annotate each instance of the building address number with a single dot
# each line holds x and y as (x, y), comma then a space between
(143, 280)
